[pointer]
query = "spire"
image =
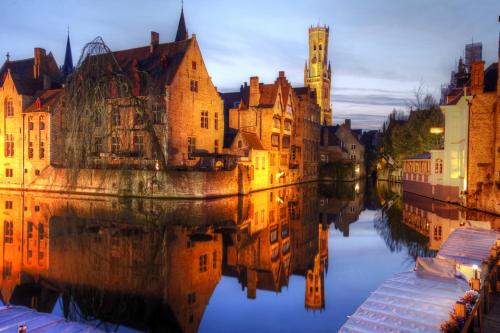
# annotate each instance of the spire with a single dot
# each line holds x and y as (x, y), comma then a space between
(182, 33)
(67, 68)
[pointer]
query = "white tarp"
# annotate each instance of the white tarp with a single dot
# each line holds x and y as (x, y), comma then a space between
(415, 301)
(468, 246)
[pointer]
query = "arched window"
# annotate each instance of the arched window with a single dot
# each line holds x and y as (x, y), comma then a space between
(438, 167)
(320, 47)
(9, 107)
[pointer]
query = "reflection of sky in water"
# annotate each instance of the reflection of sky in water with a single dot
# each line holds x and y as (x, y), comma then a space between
(357, 265)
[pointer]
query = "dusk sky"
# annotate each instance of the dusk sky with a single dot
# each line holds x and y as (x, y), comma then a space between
(380, 50)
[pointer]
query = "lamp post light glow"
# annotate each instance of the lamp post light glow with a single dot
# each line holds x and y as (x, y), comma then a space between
(437, 130)
(475, 268)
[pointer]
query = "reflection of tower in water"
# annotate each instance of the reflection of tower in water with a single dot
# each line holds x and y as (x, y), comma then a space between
(315, 292)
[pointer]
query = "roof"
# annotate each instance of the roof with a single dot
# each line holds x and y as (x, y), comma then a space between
(469, 246)
(45, 100)
(182, 33)
(11, 316)
(415, 301)
(22, 74)
(421, 156)
(162, 63)
(252, 140)
(490, 78)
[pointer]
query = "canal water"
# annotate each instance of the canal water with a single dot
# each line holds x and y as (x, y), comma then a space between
(294, 259)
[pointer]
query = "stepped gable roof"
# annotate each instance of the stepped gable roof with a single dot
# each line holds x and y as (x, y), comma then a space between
(22, 74)
(268, 94)
(421, 156)
(252, 140)
(491, 77)
(45, 100)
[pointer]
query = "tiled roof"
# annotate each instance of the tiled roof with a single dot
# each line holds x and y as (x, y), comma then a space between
(161, 64)
(268, 94)
(421, 156)
(252, 140)
(22, 74)
(47, 98)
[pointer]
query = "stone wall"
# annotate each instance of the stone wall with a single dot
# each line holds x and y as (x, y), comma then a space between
(142, 183)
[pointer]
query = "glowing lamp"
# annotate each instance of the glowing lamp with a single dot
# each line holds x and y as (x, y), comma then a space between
(475, 268)
(437, 130)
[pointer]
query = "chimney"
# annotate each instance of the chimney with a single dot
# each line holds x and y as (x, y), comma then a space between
(155, 40)
(477, 78)
(347, 123)
(39, 62)
(281, 73)
(254, 91)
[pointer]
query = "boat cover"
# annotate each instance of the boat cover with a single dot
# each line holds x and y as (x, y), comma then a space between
(12, 316)
(415, 301)
(469, 246)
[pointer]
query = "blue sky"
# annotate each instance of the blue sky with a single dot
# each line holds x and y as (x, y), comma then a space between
(380, 50)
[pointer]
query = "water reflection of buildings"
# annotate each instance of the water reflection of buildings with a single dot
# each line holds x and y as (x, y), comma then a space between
(436, 220)
(152, 264)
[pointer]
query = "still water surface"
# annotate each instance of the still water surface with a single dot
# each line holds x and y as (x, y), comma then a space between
(294, 259)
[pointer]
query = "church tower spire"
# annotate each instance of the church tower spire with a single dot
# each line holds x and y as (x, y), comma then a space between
(319, 72)
(182, 33)
(67, 67)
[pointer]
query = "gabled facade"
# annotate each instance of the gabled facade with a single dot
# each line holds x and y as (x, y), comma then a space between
(21, 83)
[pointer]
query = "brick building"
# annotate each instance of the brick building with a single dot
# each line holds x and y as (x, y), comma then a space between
(342, 144)
(27, 90)
(483, 166)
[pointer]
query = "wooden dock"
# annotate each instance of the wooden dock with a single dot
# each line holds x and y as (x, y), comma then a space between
(11, 317)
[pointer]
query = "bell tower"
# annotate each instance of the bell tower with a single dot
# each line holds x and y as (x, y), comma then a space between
(318, 72)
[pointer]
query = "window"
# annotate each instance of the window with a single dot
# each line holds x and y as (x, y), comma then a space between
(353, 157)
(138, 141)
(203, 263)
(191, 146)
(216, 121)
(9, 108)
(8, 232)
(240, 144)
(288, 125)
(263, 163)
(216, 146)
(273, 236)
(7, 270)
(138, 118)
(286, 141)
(193, 65)
(314, 47)
(9, 172)
(353, 146)
(9, 145)
(191, 298)
(193, 86)
(41, 231)
(30, 230)
(320, 47)
(438, 167)
(98, 145)
(37, 172)
(31, 125)
(115, 144)
(204, 119)
(276, 123)
(30, 150)
(214, 260)
(157, 115)
(285, 230)
(257, 163)
(42, 124)
(41, 151)
(115, 116)
(8, 204)
(275, 140)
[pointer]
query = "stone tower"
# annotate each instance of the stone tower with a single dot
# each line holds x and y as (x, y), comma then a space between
(318, 72)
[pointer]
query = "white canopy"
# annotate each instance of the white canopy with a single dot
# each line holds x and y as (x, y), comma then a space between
(415, 301)
(468, 246)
